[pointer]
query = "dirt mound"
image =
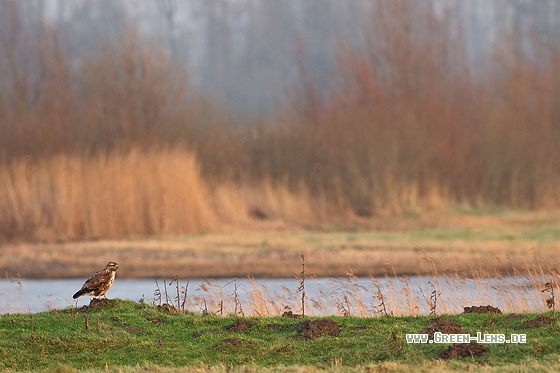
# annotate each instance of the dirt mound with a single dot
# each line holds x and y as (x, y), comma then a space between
(290, 314)
(442, 325)
(463, 350)
(239, 326)
(537, 322)
(317, 328)
(97, 304)
(481, 309)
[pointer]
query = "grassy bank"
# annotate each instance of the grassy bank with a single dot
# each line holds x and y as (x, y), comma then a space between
(116, 334)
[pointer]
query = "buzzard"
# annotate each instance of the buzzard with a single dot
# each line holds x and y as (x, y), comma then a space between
(98, 284)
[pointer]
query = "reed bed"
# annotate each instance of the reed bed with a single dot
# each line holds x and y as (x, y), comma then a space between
(131, 192)
(122, 193)
(121, 143)
(374, 296)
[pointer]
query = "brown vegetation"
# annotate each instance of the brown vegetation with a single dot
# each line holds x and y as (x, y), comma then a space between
(128, 193)
(266, 253)
(121, 144)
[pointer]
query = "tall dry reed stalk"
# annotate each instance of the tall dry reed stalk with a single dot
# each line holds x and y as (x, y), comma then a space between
(114, 194)
(345, 296)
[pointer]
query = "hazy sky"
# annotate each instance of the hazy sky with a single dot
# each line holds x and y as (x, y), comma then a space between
(242, 51)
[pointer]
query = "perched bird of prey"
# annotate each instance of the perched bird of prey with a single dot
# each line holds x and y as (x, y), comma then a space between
(98, 284)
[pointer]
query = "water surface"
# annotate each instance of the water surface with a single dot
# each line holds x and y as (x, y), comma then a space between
(323, 296)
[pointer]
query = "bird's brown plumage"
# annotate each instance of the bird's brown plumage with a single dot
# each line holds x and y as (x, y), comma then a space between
(98, 284)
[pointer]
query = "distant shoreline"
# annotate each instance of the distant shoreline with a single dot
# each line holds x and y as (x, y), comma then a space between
(278, 255)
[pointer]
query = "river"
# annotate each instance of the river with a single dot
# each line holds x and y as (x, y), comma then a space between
(414, 295)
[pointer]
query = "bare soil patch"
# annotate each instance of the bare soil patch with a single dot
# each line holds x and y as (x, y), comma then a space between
(537, 322)
(239, 326)
(317, 328)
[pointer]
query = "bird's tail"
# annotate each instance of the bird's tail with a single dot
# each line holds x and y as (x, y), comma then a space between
(78, 294)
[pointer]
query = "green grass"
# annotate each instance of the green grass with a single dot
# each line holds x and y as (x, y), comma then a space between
(141, 337)
(543, 233)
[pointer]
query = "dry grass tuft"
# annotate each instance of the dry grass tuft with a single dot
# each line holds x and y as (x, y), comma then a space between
(115, 194)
